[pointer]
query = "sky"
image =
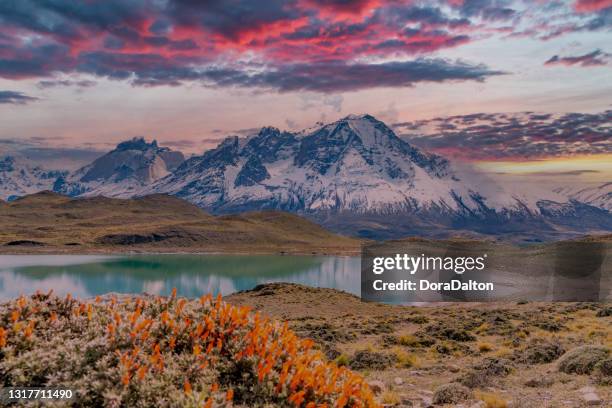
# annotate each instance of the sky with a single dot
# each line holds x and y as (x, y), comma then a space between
(514, 86)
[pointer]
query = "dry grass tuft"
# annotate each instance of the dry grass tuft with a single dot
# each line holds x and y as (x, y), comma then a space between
(406, 360)
(485, 347)
(492, 400)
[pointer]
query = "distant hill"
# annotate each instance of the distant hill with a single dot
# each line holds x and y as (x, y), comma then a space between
(49, 222)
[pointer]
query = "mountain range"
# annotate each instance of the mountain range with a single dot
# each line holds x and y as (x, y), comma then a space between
(19, 177)
(354, 176)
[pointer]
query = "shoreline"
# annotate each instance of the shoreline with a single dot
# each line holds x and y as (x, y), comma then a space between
(54, 250)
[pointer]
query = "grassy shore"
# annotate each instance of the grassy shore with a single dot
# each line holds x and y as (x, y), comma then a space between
(48, 223)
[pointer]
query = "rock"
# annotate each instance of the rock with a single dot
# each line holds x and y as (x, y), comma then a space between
(451, 394)
(426, 402)
(582, 360)
(453, 368)
(589, 396)
(406, 401)
(398, 381)
(376, 386)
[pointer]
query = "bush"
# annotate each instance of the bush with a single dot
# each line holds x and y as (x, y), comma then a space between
(365, 359)
(167, 352)
(446, 331)
(451, 394)
(482, 374)
(603, 372)
(493, 366)
(582, 360)
(342, 360)
(542, 352)
(604, 311)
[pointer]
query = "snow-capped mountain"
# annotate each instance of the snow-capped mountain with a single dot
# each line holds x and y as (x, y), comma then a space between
(19, 176)
(354, 176)
(122, 172)
(356, 164)
(598, 196)
(356, 171)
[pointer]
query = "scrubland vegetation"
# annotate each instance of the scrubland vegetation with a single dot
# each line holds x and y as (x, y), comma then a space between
(167, 352)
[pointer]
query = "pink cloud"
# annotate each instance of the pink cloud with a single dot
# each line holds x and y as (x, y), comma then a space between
(589, 6)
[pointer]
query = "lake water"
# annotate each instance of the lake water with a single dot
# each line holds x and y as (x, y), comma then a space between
(193, 275)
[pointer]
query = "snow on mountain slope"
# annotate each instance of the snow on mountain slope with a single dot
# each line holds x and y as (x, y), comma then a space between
(121, 172)
(598, 196)
(356, 164)
(19, 177)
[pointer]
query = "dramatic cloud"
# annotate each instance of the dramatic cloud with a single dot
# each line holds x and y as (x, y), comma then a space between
(15, 98)
(595, 58)
(586, 6)
(485, 136)
(271, 44)
(486, 9)
(339, 76)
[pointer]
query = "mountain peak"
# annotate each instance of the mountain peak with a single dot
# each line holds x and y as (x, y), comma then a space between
(131, 165)
(364, 116)
(137, 143)
(269, 129)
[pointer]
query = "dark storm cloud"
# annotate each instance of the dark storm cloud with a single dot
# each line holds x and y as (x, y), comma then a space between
(511, 136)
(15, 98)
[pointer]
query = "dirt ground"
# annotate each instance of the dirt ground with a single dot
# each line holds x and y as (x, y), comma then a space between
(460, 354)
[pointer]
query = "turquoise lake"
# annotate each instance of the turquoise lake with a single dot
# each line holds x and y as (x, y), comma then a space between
(193, 275)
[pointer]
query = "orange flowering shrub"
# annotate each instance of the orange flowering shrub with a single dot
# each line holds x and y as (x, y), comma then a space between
(167, 352)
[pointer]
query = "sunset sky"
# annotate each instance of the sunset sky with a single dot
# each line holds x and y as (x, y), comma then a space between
(84, 75)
